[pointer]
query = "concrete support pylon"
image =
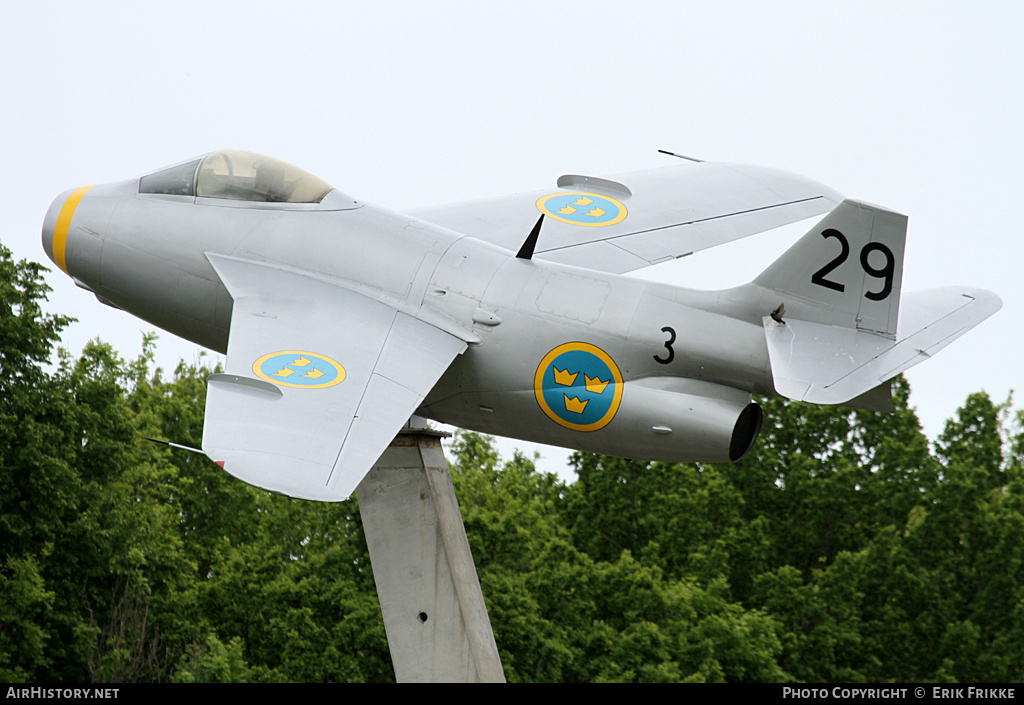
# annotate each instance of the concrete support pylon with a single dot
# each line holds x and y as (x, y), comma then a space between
(434, 613)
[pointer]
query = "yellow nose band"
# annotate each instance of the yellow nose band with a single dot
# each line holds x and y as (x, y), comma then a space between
(60, 233)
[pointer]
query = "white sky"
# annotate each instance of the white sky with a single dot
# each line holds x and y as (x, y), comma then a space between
(916, 106)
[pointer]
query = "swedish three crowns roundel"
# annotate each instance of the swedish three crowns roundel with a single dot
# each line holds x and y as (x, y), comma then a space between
(299, 368)
(578, 386)
(581, 208)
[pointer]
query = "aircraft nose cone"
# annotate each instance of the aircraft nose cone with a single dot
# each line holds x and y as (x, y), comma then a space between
(50, 223)
(57, 224)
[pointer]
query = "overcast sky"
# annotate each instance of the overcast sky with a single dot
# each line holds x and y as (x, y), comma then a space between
(916, 106)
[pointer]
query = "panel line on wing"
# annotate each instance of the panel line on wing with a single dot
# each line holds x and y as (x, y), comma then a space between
(632, 233)
(901, 342)
(362, 397)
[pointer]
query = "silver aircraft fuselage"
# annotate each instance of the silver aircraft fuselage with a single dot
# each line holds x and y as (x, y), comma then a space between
(146, 254)
(340, 319)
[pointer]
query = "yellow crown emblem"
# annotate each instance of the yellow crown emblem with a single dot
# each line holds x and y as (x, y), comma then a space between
(574, 405)
(595, 385)
(564, 378)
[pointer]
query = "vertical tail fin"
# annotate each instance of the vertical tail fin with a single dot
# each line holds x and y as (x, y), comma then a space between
(848, 269)
(834, 340)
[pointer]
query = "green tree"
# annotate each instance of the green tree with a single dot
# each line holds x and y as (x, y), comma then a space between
(932, 595)
(560, 614)
(842, 548)
(83, 517)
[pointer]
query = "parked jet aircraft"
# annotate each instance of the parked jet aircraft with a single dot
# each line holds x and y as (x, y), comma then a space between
(507, 315)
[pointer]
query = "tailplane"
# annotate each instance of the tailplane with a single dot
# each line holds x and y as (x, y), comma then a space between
(843, 327)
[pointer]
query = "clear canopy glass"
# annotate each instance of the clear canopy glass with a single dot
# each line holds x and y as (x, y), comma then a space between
(177, 180)
(247, 176)
(238, 175)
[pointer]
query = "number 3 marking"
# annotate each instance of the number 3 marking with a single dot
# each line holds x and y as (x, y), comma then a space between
(668, 345)
(887, 272)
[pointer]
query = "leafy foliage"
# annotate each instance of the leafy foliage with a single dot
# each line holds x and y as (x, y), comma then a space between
(844, 547)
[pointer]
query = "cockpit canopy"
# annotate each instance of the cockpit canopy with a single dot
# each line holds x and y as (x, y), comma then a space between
(238, 175)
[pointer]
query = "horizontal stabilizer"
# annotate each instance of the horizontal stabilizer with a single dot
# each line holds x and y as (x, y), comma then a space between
(830, 364)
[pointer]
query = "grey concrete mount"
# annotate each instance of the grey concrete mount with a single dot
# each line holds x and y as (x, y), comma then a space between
(434, 613)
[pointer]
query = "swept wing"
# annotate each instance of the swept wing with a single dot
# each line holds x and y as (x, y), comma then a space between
(318, 380)
(665, 213)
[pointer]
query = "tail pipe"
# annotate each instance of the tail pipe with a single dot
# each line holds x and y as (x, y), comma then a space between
(681, 420)
(746, 431)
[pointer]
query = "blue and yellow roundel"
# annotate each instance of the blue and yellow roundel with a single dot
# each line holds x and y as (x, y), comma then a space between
(581, 208)
(299, 368)
(578, 386)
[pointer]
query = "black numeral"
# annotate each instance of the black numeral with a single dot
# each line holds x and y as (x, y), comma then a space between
(819, 276)
(887, 272)
(668, 345)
